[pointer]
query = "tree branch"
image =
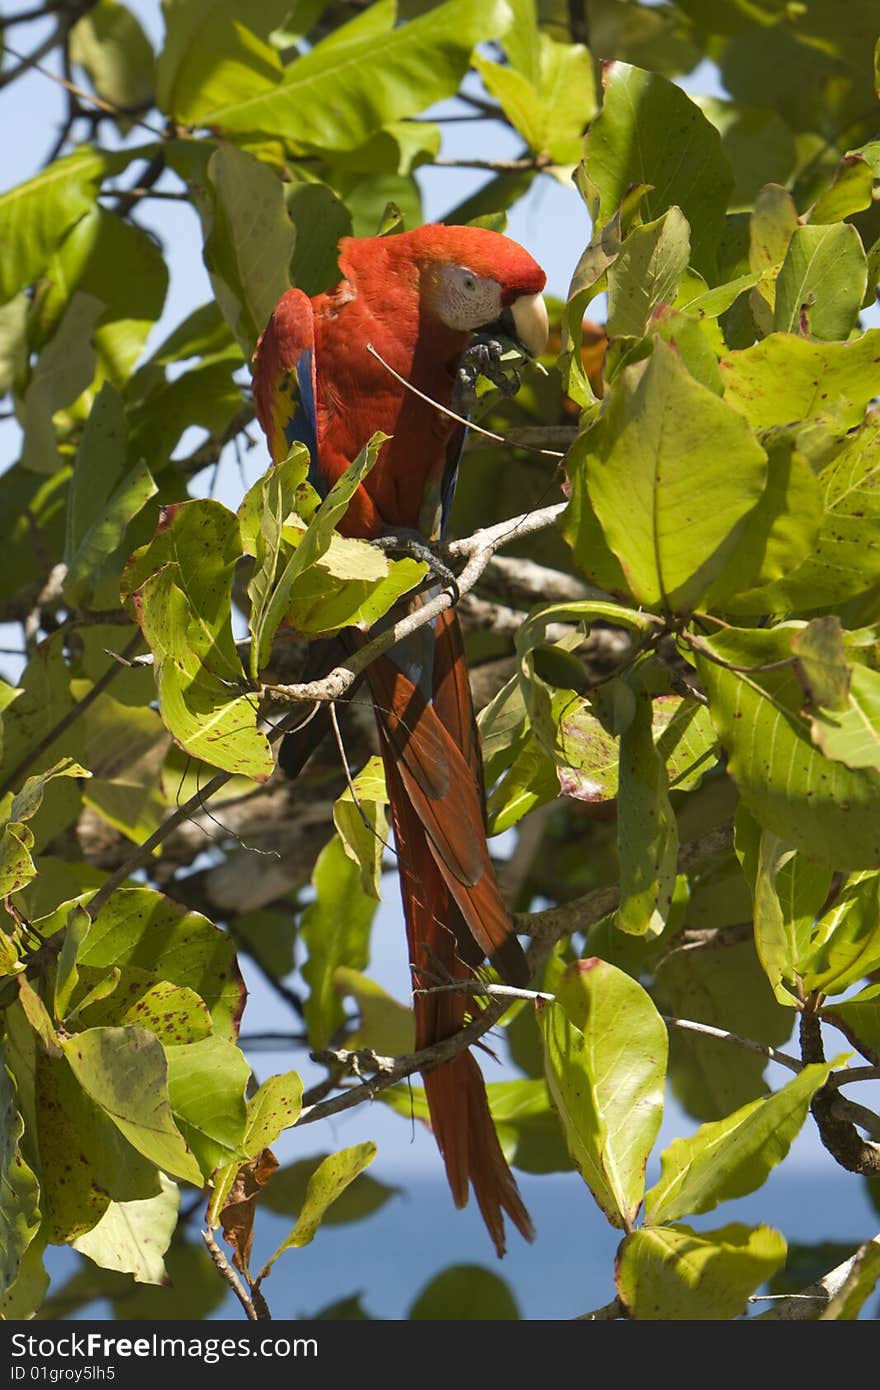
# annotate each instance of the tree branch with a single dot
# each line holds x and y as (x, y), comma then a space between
(537, 162)
(837, 1132)
(812, 1301)
(772, 1054)
(231, 1278)
(480, 548)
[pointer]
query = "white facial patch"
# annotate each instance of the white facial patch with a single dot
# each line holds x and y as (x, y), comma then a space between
(466, 301)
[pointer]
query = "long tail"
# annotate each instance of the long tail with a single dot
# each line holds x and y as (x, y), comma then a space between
(454, 913)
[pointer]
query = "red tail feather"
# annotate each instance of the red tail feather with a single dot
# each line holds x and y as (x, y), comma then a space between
(453, 907)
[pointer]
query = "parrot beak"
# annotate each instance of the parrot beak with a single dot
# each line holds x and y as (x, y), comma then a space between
(529, 314)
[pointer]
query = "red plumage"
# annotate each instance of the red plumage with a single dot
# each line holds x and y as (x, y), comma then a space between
(395, 294)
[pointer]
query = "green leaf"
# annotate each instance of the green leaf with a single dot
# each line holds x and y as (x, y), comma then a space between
(104, 495)
(206, 1089)
(630, 143)
(275, 596)
(813, 804)
(208, 50)
(852, 735)
(731, 1157)
(674, 1274)
(781, 535)
(336, 94)
(672, 474)
(43, 699)
(287, 1193)
(771, 227)
(465, 1293)
(859, 1019)
(26, 1295)
(787, 378)
(19, 1209)
(249, 240)
(210, 717)
(719, 982)
(822, 664)
(647, 272)
(133, 1236)
(67, 974)
(270, 1110)
(335, 929)
(551, 106)
(262, 514)
(124, 1071)
(114, 50)
(351, 585)
(35, 215)
(685, 740)
(321, 220)
(144, 932)
(175, 1013)
(13, 342)
(846, 939)
(27, 802)
(16, 865)
(183, 598)
(850, 191)
(605, 1055)
(821, 285)
(844, 558)
(788, 890)
(360, 820)
(85, 1161)
(531, 780)
(126, 746)
(526, 1123)
(121, 265)
(65, 368)
(590, 279)
(329, 1180)
(647, 831)
(386, 1026)
(758, 144)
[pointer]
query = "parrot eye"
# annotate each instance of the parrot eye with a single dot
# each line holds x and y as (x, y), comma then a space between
(465, 300)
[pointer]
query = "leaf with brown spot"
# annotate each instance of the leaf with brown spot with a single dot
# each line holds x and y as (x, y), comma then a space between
(239, 1209)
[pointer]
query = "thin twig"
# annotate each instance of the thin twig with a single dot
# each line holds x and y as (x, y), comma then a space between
(687, 1025)
(479, 987)
(153, 171)
(135, 194)
(459, 419)
(230, 1276)
(89, 97)
(144, 852)
(537, 163)
(25, 16)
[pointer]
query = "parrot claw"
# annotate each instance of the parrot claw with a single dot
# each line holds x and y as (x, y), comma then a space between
(410, 545)
(484, 357)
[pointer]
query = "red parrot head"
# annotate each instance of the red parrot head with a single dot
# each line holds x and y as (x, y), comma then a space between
(469, 278)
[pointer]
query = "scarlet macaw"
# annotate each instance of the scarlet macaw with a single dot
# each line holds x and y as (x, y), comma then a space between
(417, 297)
